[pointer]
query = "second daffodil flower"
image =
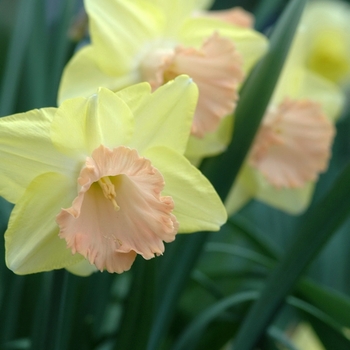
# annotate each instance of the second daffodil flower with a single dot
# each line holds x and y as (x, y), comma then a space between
(155, 41)
(102, 179)
(293, 144)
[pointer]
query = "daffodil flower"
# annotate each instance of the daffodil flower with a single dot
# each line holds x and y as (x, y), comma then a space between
(293, 144)
(155, 41)
(324, 39)
(102, 179)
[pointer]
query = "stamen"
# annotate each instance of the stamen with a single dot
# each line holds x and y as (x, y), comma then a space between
(108, 190)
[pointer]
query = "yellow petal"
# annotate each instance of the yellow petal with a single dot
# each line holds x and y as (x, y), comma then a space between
(164, 118)
(177, 11)
(31, 240)
(197, 205)
(291, 200)
(119, 31)
(82, 76)
(81, 125)
(82, 268)
(26, 151)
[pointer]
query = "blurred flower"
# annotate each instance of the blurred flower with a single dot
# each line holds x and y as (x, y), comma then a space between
(157, 41)
(324, 39)
(114, 162)
(293, 144)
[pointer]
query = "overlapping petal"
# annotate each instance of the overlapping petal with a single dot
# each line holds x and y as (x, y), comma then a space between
(84, 76)
(81, 125)
(197, 205)
(26, 151)
(117, 46)
(31, 241)
(164, 117)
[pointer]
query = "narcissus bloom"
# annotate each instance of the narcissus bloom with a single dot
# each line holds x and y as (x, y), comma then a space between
(102, 179)
(293, 144)
(155, 41)
(324, 39)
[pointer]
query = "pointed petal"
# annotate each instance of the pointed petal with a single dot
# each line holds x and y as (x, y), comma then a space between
(26, 151)
(120, 30)
(81, 125)
(82, 76)
(249, 43)
(164, 118)
(31, 240)
(197, 205)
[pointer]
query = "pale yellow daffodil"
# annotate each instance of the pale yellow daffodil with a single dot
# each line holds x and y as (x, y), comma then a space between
(293, 144)
(102, 179)
(154, 41)
(324, 39)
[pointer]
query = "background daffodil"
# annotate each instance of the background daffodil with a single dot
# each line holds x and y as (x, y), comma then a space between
(156, 41)
(293, 144)
(324, 39)
(105, 174)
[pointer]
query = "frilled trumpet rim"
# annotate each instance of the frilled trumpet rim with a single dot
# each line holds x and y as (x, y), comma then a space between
(119, 211)
(293, 144)
(216, 68)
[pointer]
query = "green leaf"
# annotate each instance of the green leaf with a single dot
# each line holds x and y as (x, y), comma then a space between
(331, 302)
(192, 334)
(313, 311)
(319, 224)
(242, 252)
(184, 253)
(281, 338)
(16, 56)
(139, 308)
(258, 238)
(329, 331)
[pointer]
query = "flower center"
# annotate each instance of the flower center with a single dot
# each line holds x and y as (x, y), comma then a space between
(329, 56)
(108, 190)
(139, 220)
